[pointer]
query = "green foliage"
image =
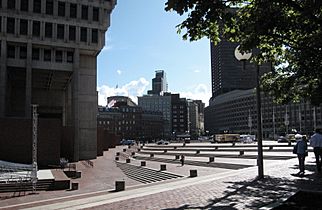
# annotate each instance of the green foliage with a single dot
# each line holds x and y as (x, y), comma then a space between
(287, 32)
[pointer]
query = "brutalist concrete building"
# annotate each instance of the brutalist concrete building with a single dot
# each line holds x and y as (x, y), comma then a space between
(48, 57)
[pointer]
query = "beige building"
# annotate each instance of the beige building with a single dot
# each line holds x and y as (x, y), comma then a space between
(48, 57)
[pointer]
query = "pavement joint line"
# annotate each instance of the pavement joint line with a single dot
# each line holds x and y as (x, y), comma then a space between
(124, 195)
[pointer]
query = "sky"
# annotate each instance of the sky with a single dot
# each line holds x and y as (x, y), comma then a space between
(141, 39)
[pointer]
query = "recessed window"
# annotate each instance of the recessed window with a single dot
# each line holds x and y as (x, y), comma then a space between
(84, 12)
(49, 7)
(83, 37)
(23, 27)
(59, 56)
(47, 55)
(60, 31)
(11, 51)
(24, 4)
(23, 52)
(35, 53)
(73, 10)
(10, 25)
(95, 14)
(48, 30)
(37, 6)
(61, 8)
(72, 33)
(11, 4)
(94, 35)
(36, 28)
(70, 57)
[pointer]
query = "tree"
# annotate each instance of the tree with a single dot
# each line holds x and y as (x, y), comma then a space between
(287, 32)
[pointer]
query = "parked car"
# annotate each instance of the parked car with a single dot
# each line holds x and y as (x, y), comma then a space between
(127, 142)
(162, 142)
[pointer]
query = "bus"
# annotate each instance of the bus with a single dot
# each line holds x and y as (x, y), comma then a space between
(228, 137)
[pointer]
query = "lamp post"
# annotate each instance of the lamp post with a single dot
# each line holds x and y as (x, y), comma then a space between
(243, 57)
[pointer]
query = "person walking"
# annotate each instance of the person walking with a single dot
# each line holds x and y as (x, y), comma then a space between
(301, 151)
(316, 143)
(182, 160)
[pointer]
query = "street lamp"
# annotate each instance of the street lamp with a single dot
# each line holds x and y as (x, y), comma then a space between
(243, 57)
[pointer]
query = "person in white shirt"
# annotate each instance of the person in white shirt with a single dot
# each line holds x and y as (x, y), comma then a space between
(316, 143)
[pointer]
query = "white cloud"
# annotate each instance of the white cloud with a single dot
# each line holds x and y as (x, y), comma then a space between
(196, 71)
(106, 48)
(132, 89)
(119, 72)
(200, 92)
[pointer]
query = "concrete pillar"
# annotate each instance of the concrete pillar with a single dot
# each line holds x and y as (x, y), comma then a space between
(151, 155)
(3, 78)
(143, 163)
(163, 167)
(128, 160)
(270, 147)
(198, 152)
(28, 80)
(241, 152)
(177, 157)
(124, 150)
(75, 104)
(117, 158)
(211, 159)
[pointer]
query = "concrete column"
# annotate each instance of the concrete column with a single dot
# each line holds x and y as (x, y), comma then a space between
(28, 80)
(3, 78)
(75, 105)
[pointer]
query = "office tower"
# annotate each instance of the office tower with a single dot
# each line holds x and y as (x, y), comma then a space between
(159, 83)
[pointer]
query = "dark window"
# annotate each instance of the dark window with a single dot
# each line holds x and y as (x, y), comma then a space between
(37, 6)
(48, 30)
(49, 7)
(60, 31)
(95, 14)
(72, 33)
(23, 52)
(24, 4)
(84, 12)
(73, 11)
(11, 4)
(10, 25)
(36, 28)
(11, 51)
(23, 27)
(94, 35)
(70, 57)
(0, 23)
(83, 36)
(61, 8)
(35, 53)
(47, 55)
(59, 56)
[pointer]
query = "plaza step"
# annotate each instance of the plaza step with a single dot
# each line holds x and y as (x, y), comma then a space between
(145, 175)
(26, 186)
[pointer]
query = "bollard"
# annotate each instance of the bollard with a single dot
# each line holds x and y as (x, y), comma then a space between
(177, 157)
(163, 167)
(198, 152)
(193, 173)
(143, 163)
(128, 160)
(139, 149)
(75, 186)
(241, 152)
(117, 158)
(216, 148)
(133, 153)
(211, 159)
(118, 154)
(174, 147)
(289, 143)
(233, 144)
(124, 150)
(129, 147)
(119, 186)
(184, 144)
(165, 151)
(151, 155)
(270, 147)
(143, 144)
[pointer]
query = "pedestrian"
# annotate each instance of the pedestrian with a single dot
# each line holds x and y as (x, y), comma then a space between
(316, 143)
(182, 160)
(301, 150)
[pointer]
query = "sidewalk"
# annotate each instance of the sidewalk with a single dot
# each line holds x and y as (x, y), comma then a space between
(228, 190)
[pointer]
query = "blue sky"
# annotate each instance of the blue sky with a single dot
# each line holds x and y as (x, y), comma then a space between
(142, 38)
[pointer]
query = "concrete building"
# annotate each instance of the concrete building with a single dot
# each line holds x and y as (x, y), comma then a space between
(235, 112)
(195, 117)
(159, 83)
(180, 123)
(48, 57)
